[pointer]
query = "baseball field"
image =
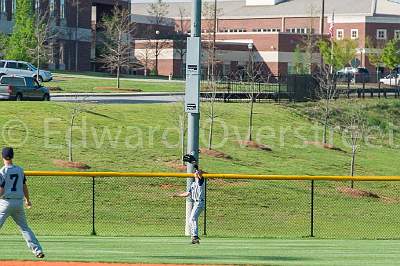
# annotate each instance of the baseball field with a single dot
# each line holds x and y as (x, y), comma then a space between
(176, 250)
(248, 222)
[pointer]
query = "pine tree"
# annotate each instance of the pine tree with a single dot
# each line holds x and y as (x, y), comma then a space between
(22, 38)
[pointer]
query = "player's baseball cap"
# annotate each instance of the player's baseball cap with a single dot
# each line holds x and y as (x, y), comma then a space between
(8, 153)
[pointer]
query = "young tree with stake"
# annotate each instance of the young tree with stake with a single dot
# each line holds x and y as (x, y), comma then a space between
(158, 12)
(353, 124)
(336, 54)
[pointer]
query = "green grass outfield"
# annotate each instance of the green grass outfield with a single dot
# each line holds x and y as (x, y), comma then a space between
(173, 250)
(143, 207)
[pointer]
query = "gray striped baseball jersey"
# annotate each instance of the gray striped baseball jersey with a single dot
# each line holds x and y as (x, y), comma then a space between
(12, 179)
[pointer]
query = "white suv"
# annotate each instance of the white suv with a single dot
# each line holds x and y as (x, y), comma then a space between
(20, 68)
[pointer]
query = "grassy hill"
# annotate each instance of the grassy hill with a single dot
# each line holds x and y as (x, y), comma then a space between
(145, 138)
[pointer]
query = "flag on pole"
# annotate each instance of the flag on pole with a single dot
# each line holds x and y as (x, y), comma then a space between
(332, 27)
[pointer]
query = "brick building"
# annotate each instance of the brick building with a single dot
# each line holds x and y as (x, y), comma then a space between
(75, 22)
(275, 27)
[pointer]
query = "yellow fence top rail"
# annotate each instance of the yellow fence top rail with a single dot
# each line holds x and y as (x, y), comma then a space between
(210, 175)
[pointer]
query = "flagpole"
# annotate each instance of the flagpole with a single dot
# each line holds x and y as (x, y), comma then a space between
(332, 39)
(321, 26)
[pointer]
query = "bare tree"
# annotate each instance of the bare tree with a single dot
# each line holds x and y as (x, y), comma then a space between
(212, 115)
(210, 14)
(145, 57)
(353, 124)
(77, 107)
(158, 12)
(336, 55)
(45, 35)
(75, 110)
(326, 93)
(254, 75)
(158, 45)
(210, 109)
(180, 42)
(116, 39)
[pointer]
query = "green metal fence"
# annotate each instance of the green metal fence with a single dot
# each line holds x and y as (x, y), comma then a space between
(132, 206)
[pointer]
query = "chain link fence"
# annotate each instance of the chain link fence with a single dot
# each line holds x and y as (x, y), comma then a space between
(127, 206)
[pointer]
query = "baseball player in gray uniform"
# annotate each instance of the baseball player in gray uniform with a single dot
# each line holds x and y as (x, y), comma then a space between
(13, 191)
(196, 193)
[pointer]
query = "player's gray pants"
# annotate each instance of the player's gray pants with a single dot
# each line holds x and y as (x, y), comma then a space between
(15, 209)
(198, 207)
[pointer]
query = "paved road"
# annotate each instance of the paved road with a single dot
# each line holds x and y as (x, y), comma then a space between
(121, 99)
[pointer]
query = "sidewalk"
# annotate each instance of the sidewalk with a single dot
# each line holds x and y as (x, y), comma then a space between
(150, 80)
(116, 94)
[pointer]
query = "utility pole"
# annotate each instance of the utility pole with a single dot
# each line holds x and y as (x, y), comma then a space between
(322, 22)
(192, 96)
(213, 43)
(76, 35)
(321, 27)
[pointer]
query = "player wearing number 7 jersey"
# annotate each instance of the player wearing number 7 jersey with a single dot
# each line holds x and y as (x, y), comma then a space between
(13, 191)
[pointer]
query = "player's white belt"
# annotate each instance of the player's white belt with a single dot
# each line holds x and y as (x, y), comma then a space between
(11, 198)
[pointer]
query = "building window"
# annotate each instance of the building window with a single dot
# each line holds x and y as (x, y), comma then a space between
(354, 34)
(14, 6)
(3, 6)
(265, 30)
(62, 9)
(37, 5)
(236, 30)
(381, 34)
(397, 34)
(52, 7)
(294, 30)
(339, 34)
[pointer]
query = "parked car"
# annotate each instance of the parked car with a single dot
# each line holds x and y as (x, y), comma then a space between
(361, 74)
(22, 88)
(391, 79)
(355, 75)
(25, 69)
(343, 76)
